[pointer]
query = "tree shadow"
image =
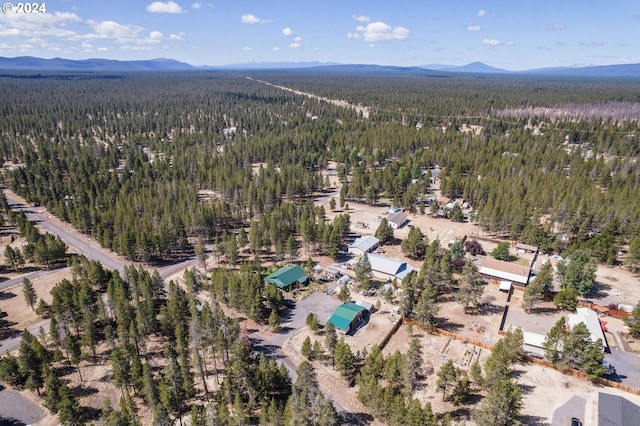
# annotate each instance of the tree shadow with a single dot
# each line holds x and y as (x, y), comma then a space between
(526, 389)
(81, 391)
(356, 418)
(461, 413)
(448, 325)
(4, 421)
(545, 310)
(534, 421)
(599, 290)
(8, 333)
(91, 413)
(285, 330)
(6, 296)
(490, 309)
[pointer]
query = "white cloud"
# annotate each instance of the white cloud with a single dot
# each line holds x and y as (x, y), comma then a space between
(510, 43)
(155, 35)
(472, 27)
(297, 39)
(555, 27)
(379, 31)
(490, 41)
(275, 49)
(111, 29)
(168, 7)
(288, 32)
(247, 49)
(29, 25)
(196, 5)
(295, 45)
(179, 36)
(102, 49)
(362, 18)
(251, 19)
(482, 12)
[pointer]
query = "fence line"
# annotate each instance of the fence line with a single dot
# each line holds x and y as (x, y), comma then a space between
(382, 344)
(542, 362)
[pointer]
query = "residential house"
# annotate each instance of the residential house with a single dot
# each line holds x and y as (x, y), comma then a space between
(526, 248)
(496, 271)
(591, 320)
(364, 244)
(397, 219)
(347, 317)
(288, 277)
(388, 268)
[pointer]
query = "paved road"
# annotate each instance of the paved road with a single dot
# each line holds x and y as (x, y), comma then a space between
(627, 365)
(72, 238)
(32, 276)
(318, 303)
(92, 250)
(79, 242)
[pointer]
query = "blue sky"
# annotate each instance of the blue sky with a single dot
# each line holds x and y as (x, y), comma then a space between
(516, 35)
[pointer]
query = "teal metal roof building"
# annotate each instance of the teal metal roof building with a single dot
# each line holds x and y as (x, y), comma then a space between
(346, 316)
(287, 277)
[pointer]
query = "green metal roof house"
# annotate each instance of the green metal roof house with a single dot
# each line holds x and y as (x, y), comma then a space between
(346, 316)
(287, 277)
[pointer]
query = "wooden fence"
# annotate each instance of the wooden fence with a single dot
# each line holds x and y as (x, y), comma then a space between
(382, 344)
(533, 360)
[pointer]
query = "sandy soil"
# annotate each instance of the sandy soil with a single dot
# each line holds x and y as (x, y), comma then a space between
(18, 312)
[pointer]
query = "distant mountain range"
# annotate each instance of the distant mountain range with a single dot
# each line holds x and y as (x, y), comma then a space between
(162, 64)
(58, 64)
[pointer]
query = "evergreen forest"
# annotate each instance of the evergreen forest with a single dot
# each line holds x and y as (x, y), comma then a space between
(148, 163)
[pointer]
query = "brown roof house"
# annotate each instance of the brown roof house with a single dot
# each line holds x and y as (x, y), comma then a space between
(397, 219)
(498, 270)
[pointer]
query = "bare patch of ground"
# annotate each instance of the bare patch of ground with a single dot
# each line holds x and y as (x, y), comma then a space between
(18, 312)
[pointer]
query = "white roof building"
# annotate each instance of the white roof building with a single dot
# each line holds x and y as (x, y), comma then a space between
(591, 320)
(364, 244)
(389, 268)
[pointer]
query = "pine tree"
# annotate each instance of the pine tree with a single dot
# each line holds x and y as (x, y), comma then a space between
(274, 321)
(306, 349)
(554, 340)
(447, 377)
(501, 406)
(384, 232)
(413, 367)
(471, 287)
(312, 321)
(363, 272)
(30, 295)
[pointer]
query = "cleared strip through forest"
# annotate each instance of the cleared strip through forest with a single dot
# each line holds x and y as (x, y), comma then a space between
(344, 104)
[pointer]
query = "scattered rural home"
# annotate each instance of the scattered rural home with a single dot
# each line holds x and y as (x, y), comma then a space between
(591, 320)
(388, 268)
(364, 244)
(347, 316)
(526, 248)
(496, 271)
(288, 277)
(397, 219)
